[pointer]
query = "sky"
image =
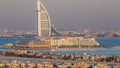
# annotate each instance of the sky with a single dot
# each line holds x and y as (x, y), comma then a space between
(98, 15)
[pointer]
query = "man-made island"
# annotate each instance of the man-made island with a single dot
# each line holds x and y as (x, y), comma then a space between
(56, 42)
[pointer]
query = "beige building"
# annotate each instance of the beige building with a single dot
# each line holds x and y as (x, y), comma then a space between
(100, 65)
(64, 65)
(45, 65)
(81, 65)
(73, 41)
(33, 44)
(116, 66)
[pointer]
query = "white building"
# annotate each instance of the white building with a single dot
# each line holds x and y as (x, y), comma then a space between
(73, 41)
(43, 20)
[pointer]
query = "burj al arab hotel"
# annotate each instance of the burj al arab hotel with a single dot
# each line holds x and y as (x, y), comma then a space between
(44, 27)
(43, 21)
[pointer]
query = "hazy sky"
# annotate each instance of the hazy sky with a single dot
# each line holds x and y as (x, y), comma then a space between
(65, 14)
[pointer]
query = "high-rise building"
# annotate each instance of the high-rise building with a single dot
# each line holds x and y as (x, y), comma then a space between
(43, 19)
(45, 29)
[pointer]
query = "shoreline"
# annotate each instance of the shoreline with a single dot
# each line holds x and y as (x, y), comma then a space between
(90, 48)
(66, 48)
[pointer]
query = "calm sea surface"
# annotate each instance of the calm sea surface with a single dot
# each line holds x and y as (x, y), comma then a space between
(102, 41)
(109, 41)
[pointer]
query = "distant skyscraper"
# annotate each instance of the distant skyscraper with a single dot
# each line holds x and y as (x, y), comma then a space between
(43, 19)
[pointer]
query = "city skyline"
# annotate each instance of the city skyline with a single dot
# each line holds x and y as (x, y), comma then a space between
(72, 15)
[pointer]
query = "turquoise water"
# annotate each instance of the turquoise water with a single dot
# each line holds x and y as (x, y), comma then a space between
(102, 41)
(109, 52)
(109, 41)
(4, 40)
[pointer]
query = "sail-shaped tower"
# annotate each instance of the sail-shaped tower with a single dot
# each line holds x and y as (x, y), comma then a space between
(44, 28)
(43, 20)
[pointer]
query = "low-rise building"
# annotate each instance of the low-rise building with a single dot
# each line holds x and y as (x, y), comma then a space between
(4, 63)
(116, 66)
(73, 41)
(33, 44)
(64, 65)
(100, 65)
(80, 65)
(47, 65)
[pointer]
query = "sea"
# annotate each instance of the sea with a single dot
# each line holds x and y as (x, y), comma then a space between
(101, 41)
